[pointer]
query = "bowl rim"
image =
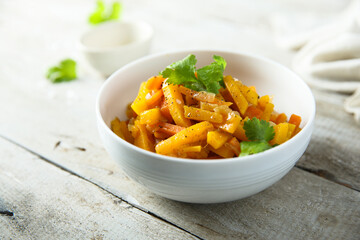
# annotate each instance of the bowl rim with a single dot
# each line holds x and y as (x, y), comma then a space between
(251, 158)
(148, 36)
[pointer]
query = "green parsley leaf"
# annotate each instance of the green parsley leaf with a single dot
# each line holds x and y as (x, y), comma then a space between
(66, 71)
(209, 78)
(248, 148)
(258, 130)
(101, 14)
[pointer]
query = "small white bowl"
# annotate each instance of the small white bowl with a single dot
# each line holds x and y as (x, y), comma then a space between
(207, 181)
(111, 45)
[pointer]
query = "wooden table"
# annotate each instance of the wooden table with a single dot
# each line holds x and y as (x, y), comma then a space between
(57, 181)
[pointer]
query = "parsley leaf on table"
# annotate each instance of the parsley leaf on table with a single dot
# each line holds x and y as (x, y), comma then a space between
(209, 78)
(259, 132)
(102, 15)
(66, 71)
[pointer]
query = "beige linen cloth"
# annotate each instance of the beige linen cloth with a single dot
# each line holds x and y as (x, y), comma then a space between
(328, 55)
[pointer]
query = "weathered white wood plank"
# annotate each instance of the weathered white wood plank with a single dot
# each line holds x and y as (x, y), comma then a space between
(40, 201)
(334, 150)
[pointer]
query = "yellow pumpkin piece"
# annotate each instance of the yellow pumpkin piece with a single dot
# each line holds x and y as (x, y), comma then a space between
(130, 112)
(297, 130)
(175, 103)
(237, 96)
(223, 152)
(231, 123)
(220, 97)
(240, 132)
(143, 140)
(139, 105)
(269, 108)
(208, 106)
(250, 95)
(151, 116)
(291, 130)
(160, 135)
(133, 130)
(234, 145)
(281, 133)
(202, 115)
(253, 88)
(153, 99)
(217, 138)
(192, 134)
(190, 100)
(120, 128)
(274, 116)
(191, 149)
(154, 83)
(203, 154)
(263, 101)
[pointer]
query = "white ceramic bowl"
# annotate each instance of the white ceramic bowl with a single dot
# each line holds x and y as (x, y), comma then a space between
(111, 45)
(207, 181)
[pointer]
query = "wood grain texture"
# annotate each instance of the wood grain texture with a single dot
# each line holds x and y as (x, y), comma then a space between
(40, 201)
(334, 150)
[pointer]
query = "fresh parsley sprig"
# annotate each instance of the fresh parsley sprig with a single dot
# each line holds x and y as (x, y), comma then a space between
(259, 132)
(208, 78)
(102, 14)
(64, 72)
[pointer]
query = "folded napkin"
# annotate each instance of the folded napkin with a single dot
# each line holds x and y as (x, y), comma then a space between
(328, 55)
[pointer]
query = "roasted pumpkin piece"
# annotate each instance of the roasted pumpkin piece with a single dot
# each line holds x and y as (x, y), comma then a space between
(202, 154)
(223, 152)
(154, 98)
(151, 116)
(190, 100)
(196, 148)
(160, 135)
(250, 95)
(144, 139)
(273, 116)
(175, 103)
(281, 118)
(139, 105)
(263, 101)
(168, 128)
(120, 128)
(164, 109)
(281, 133)
(291, 130)
(154, 83)
(192, 134)
(130, 112)
(237, 96)
(269, 108)
(253, 111)
(240, 131)
(295, 119)
(217, 138)
(234, 145)
(208, 106)
(231, 123)
(202, 115)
